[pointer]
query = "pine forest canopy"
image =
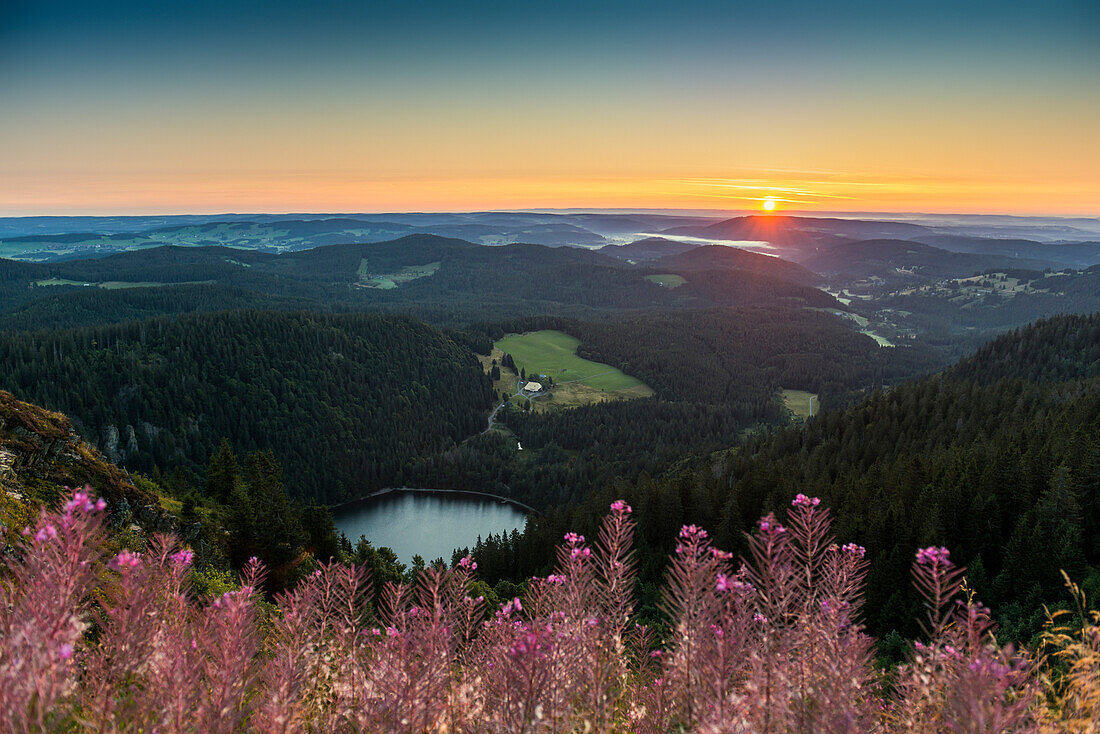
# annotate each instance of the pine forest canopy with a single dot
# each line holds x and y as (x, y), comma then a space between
(345, 402)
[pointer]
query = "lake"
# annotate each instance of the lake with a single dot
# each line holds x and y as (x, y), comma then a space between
(427, 523)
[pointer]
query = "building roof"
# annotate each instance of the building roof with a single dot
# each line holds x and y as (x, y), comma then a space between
(532, 387)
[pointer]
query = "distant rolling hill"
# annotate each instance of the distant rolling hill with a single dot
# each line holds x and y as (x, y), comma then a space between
(650, 248)
(1079, 254)
(803, 239)
(280, 235)
(797, 232)
(722, 258)
(443, 280)
(894, 260)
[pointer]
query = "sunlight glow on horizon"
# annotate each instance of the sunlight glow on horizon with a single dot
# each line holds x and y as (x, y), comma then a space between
(196, 192)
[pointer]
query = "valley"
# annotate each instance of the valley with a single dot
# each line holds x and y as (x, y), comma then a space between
(702, 383)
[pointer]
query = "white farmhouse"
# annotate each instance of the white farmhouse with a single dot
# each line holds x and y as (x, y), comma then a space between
(533, 387)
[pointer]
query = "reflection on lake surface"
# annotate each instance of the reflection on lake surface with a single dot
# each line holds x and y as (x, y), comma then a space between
(429, 524)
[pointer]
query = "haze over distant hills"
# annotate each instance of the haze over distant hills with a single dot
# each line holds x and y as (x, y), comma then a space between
(900, 280)
(51, 238)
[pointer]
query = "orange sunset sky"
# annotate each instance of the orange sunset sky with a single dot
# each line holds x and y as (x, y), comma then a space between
(213, 107)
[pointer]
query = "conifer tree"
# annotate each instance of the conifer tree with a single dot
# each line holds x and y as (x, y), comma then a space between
(223, 473)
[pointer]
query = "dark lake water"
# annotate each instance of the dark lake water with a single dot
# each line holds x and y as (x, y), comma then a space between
(430, 524)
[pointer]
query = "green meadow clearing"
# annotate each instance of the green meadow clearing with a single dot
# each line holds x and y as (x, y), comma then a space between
(111, 285)
(389, 281)
(798, 402)
(554, 353)
(668, 280)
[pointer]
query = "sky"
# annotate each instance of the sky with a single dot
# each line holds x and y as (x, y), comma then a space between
(127, 107)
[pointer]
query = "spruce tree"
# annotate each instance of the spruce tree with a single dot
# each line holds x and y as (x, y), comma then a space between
(223, 474)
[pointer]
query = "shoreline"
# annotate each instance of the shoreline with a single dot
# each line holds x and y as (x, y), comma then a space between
(421, 490)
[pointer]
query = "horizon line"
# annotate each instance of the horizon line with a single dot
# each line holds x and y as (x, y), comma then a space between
(567, 210)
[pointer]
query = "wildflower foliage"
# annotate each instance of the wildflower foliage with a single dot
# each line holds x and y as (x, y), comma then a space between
(771, 643)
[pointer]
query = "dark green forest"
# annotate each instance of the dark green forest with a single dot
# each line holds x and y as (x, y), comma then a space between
(346, 403)
(716, 374)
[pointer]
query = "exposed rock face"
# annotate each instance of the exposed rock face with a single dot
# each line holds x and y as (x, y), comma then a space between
(110, 443)
(38, 444)
(131, 440)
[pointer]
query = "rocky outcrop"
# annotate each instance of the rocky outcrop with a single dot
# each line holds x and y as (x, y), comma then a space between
(39, 445)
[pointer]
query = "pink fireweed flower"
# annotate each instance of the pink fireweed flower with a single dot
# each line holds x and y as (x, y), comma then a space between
(580, 553)
(65, 651)
(693, 532)
(855, 550)
(723, 582)
(621, 506)
(555, 579)
(126, 559)
(771, 527)
(933, 556)
(529, 644)
(716, 630)
(224, 600)
(758, 617)
(802, 500)
(721, 555)
(574, 538)
(512, 606)
(78, 500)
(82, 500)
(46, 532)
(468, 563)
(182, 557)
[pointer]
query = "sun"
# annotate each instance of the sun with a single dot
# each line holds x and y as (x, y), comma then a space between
(769, 205)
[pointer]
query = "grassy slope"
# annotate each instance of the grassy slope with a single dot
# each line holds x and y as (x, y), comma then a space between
(668, 280)
(554, 353)
(798, 402)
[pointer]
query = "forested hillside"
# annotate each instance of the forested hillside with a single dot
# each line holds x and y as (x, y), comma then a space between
(717, 374)
(721, 257)
(345, 402)
(95, 307)
(734, 356)
(1053, 350)
(1002, 470)
(454, 283)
